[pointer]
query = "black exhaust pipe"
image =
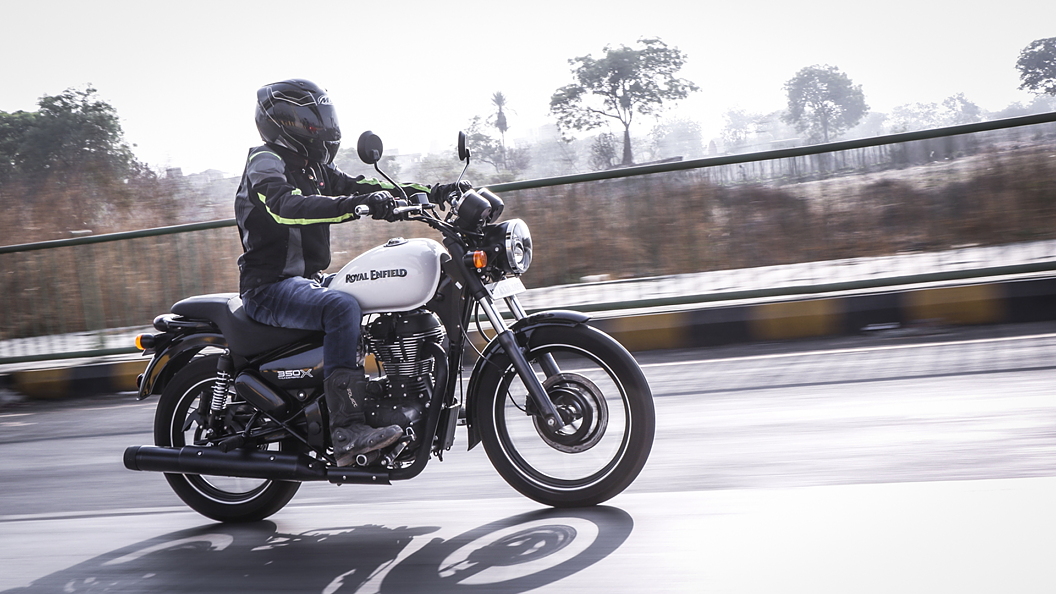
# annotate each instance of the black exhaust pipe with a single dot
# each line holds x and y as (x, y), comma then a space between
(259, 464)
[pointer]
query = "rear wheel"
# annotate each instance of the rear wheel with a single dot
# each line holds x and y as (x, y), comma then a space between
(177, 423)
(605, 401)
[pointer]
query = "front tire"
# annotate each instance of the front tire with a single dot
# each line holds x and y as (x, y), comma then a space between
(225, 499)
(601, 390)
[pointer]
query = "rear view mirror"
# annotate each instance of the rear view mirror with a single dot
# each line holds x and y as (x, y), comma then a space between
(463, 152)
(370, 148)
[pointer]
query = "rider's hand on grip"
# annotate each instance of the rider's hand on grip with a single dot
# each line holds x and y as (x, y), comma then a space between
(381, 205)
(441, 193)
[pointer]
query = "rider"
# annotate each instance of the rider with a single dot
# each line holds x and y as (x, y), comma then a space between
(289, 195)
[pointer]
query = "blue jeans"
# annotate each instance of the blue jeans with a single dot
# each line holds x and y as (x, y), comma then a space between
(305, 304)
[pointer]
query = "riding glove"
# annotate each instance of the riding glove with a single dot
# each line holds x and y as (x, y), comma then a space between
(441, 193)
(381, 205)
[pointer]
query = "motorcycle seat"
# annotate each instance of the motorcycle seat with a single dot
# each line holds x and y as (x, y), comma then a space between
(245, 337)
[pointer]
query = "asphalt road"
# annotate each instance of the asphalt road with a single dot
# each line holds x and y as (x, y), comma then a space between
(919, 463)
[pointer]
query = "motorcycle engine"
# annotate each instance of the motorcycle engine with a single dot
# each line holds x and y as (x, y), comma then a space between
(398, 343)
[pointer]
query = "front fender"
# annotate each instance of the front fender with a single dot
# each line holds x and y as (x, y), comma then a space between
(172, 358)
(522, 329)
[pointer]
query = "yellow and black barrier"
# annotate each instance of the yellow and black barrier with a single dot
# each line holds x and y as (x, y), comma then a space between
(76, 380)
(1016, 301)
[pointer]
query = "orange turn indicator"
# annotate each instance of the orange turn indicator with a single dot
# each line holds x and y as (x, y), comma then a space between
(145, 341)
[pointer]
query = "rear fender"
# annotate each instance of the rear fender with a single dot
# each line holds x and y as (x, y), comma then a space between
(522, 329)
(174, 357)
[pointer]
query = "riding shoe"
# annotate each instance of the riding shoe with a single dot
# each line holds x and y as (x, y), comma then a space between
(360, 438)
(344, 390)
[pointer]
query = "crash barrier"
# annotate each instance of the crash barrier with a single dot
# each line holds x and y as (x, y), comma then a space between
(907, 309)
(902, 310)
(71, 292)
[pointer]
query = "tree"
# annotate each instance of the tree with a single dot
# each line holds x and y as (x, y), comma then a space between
(518, 159)
(499, 121)
(957, 109)
(603, 152)
(739, 126)
(622, 83)
(954, 110)
(1040, 104)
(67, 166)
(915, 116)
(483, 147)
(437, 167)
(1037, 66)
(14, 127)
(72, 133)
(676, 137)
(508, 163)
(823, 102)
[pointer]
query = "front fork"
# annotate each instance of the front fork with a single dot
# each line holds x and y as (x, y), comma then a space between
(524, 369)
(548, 363)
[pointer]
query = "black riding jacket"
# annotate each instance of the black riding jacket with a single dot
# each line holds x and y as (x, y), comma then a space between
(284, 208)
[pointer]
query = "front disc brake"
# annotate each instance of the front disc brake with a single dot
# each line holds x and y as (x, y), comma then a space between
(582, 408)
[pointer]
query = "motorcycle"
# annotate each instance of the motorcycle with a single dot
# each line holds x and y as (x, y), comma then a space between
(563, 411)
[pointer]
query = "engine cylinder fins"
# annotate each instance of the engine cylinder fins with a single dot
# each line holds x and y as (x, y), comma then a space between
(397, 341)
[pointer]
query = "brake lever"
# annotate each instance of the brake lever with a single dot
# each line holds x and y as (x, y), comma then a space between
(401, 210)
(362, 210)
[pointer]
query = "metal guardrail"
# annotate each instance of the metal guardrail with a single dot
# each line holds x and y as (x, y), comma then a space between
(108, 237)
(819, 288)
(816, 285)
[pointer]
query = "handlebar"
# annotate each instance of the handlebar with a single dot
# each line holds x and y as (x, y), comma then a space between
(362, 210)
(414, 208)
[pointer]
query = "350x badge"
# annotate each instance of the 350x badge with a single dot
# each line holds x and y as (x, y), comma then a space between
(294, 374)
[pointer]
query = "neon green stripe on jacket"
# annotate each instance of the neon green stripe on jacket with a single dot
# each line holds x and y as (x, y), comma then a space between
(284, 221)
(384, 185)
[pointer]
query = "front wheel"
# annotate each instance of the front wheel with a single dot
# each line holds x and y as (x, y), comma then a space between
(601, 394)
(177, 423)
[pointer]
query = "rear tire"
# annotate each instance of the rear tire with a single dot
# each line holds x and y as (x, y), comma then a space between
(225, 499)
(601, 389)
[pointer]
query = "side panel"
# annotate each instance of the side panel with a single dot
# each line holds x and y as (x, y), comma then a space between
(302, 370)
(399, 276)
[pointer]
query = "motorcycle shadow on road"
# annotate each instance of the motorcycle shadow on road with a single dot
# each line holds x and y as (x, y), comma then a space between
(510, 555)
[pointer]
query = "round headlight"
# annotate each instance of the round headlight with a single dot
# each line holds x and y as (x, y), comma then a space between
(518, 245)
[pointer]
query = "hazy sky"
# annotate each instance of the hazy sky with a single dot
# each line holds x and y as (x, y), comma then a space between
(183, 74)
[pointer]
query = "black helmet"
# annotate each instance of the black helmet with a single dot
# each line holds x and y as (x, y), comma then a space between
(297, 114)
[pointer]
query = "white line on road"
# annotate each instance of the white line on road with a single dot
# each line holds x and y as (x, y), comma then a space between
(851, 350)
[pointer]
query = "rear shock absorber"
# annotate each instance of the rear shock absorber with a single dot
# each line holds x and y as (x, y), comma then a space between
(224, 367)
